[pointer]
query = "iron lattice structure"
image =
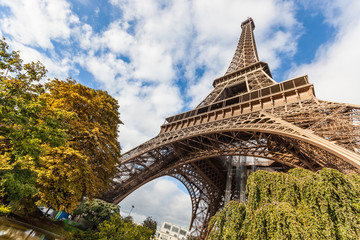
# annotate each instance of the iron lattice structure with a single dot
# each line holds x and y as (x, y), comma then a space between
(248, 114)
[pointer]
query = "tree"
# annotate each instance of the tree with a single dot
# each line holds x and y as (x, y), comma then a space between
(118, 228)
(64, 177)
(226, 224)
(96, 211)
(296, 205)
(58, 141)
(94, 126)
(25, 127)
(151, 224)
(86, 163)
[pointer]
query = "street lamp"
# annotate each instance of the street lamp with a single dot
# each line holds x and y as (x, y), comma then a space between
(132, 207)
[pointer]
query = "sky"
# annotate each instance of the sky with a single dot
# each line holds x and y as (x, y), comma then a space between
(159, 58)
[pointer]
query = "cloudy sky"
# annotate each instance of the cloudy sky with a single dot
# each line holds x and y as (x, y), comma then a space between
(159, 58)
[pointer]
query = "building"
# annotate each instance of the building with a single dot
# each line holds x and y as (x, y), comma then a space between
(170, 231)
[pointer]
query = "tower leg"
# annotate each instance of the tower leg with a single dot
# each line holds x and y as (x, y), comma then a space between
(228, 180)
(236, 160)
(253, 166)
(242, 178)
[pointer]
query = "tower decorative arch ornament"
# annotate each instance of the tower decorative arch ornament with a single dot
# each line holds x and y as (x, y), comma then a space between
(246, 114)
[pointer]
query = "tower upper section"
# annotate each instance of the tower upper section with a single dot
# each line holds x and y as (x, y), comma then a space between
(246, 52)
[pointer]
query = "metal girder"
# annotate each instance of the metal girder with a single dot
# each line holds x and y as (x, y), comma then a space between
(195, 150)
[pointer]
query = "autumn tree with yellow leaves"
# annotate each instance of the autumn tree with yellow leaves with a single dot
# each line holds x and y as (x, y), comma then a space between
(94, 126)
(58, 140)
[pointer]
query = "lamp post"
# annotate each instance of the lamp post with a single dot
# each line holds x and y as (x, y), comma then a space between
(132, 207)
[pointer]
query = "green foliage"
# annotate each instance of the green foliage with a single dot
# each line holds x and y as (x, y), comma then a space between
(96, 211)
(85, 235)
(18, 189)
(151, 224)
(296, 205)
(4, 210)
(26, 126)
(116, 228)
(227, 223)
(58, 141)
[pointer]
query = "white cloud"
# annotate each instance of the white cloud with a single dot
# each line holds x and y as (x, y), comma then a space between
(334, 71)
(57, 66)
(117, 39)
(339, 13)
(143, 110)
(160, 199)
(152, 63)
(34, 25)
(105, 68)
(280, 42)
(85, 38)
(37, 22)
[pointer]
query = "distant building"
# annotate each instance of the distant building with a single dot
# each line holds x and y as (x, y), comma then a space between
(170, 231)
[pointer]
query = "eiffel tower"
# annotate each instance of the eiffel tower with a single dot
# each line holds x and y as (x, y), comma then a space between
(246, 114)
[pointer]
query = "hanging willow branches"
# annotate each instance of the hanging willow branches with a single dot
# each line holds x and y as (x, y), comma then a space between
(296, 205)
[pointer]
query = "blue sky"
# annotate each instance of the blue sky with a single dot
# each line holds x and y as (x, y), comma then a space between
(160, 57)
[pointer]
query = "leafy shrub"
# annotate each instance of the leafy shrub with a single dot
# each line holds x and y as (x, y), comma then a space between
(296, 205)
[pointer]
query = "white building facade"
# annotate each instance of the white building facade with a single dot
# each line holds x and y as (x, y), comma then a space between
(169, 231)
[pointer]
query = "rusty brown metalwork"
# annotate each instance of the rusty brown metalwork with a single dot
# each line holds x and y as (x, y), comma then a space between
(247, 114)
